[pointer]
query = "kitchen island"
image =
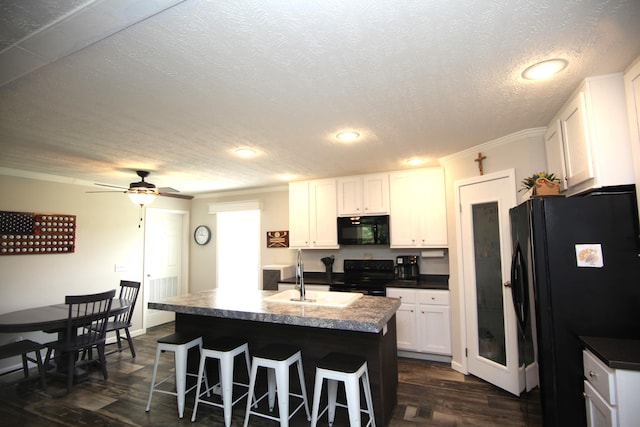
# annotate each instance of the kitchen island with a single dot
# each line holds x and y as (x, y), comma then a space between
(367, 328)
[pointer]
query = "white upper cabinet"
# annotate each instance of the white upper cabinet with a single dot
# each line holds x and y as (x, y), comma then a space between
(632, 88)
(555, 152)
(312, 214)
(587, 142)
(418, 217)
(363, 195)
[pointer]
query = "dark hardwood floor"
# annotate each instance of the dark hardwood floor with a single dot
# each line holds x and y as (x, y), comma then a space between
(429, 394)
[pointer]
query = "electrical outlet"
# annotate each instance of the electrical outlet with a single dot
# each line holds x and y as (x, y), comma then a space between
(119, 268)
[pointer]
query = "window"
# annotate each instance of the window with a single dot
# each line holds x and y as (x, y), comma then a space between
(238, 249)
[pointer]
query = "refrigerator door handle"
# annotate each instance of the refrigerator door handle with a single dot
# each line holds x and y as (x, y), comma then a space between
(519, 287)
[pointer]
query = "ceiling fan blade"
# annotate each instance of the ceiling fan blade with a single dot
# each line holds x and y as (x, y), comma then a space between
(111, 186)
(106, 191)
(177, 196)
(167, 190)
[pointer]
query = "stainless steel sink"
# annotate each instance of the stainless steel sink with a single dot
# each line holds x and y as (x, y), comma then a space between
(315, 298)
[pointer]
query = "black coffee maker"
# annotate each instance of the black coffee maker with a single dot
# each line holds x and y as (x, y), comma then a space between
(407, 267)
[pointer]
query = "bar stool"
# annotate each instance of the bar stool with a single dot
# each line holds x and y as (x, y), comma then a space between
(349, 369)
(179, 344)
(277, 359)
(225, 350)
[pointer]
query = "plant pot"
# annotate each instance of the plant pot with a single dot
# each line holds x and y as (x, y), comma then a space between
(544, 187)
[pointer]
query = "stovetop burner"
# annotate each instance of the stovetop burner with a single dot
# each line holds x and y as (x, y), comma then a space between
(367, 276)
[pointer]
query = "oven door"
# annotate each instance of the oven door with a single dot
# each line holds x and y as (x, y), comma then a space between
(379, 291)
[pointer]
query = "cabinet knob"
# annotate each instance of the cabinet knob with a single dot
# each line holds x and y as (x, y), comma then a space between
(592, 374)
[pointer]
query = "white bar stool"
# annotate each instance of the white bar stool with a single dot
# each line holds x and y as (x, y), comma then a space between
(349, 369)
(179, 344)
(225, 350)
(277, 359)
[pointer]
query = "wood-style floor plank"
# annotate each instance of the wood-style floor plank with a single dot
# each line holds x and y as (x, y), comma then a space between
(429, 394)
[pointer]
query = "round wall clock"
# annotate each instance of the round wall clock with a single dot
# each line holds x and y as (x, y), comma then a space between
(202, 235)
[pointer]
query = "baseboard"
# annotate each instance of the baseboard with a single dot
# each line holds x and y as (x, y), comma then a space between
(425, 356)
(456, 366)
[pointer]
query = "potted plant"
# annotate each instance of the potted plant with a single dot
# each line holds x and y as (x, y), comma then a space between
(541, 184)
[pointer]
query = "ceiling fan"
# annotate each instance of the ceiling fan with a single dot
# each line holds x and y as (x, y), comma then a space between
(143, 192)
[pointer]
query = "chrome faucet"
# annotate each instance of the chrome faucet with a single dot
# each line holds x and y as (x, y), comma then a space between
(300, 276)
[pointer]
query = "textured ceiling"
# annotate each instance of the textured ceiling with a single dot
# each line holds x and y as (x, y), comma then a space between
(175, 87)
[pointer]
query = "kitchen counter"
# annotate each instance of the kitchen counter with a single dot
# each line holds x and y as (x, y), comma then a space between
(615, 353)
(367, 314)
(366, 328)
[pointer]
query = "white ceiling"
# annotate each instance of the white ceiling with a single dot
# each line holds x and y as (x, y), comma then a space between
(91, 90)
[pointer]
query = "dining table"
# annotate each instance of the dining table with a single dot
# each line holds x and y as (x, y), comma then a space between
(51, 319)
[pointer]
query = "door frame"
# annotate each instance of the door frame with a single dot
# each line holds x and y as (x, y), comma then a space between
(184, 248)
(510, 174)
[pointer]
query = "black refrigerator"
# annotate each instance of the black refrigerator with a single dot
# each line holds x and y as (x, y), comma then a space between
(575, 272)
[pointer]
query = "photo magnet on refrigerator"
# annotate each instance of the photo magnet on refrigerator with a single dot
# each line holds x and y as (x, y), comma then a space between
(589, 255)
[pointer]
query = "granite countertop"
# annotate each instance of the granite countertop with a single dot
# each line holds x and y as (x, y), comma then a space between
(366, 314)
(615, 353)
(426, 281)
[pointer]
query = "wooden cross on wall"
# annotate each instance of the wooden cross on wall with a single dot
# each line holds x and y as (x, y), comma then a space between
(479, 160)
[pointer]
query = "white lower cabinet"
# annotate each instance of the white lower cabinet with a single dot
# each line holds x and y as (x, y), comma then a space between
(423, 320)
(611, 395)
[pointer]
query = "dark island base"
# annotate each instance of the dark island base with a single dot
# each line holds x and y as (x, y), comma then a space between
(379, 349)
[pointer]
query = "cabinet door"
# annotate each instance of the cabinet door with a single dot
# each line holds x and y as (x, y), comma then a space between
(406, 318)
(576, 140)
(434, 329)
(299, 214)
(401, 219)
(555, 153)
(375, 194)
(349, 195)
(406, 327)
(632, 89)
(599, 412)
(433, 210)
(323, 218)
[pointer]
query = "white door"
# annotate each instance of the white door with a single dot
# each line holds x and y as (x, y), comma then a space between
(492, 340)
(163, 261)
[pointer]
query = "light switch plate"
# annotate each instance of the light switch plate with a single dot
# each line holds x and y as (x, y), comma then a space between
(119, 268)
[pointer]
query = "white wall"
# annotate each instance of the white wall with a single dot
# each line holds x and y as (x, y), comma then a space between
(107, 233)
(523, 151)
(274, 217)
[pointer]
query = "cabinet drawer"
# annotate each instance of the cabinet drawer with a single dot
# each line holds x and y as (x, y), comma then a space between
(406, 295)
(600, 376)
(599, 412)
(433, 297)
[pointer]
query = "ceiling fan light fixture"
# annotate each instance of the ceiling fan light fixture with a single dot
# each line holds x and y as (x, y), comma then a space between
(141, 195)
(544, 69)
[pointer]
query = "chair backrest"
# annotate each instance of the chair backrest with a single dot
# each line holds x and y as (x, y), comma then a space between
(128, 290)
(87, 321)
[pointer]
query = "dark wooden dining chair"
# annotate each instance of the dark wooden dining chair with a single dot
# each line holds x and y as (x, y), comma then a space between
(86, 328)
(122, 321)
(24, 349)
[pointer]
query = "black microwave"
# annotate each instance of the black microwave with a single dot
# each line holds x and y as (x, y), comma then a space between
(363, 230)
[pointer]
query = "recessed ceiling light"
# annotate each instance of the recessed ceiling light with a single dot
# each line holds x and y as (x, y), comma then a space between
(544, 69)
(414, 161)
(246, 152)
(347, 136)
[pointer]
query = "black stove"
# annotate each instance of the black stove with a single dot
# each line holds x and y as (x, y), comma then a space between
(368, 276)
